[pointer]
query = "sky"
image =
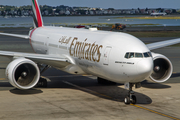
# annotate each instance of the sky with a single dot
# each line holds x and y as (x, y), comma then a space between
(118, 4)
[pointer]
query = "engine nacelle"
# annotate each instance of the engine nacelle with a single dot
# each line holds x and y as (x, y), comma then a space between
(23, 73)
(162, 69)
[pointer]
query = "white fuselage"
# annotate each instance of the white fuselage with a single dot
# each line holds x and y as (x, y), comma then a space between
(98, 53)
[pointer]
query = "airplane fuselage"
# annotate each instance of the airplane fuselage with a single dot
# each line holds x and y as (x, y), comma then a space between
(93, 52)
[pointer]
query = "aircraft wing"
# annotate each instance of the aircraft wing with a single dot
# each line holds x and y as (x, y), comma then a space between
(157, 45)
(54, 61)
(15, 35)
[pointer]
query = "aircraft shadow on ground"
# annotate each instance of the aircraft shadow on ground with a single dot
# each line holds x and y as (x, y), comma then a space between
(88, 85)
(25, 92)
(91, 86)
(7, 86)
(174, 75)
(151, 85)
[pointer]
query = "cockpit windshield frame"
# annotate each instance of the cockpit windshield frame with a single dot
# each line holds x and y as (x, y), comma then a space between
(129, 55)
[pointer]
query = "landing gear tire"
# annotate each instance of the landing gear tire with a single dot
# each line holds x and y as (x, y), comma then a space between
(130, 98)
(127, 100)
(42, 83)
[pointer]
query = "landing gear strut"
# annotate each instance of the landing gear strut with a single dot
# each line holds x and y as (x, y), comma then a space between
(130, 98)
(42, 83)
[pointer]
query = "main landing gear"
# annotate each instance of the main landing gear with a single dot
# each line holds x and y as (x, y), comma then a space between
(42, 83)
(131, 98)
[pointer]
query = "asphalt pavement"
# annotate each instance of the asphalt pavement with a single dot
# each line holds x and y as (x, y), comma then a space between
(71, 97)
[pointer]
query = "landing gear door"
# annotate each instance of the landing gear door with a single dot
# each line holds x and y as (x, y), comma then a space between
(106, 55)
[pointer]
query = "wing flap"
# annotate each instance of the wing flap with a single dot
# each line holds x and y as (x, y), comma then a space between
(15, 35)
(157, 45)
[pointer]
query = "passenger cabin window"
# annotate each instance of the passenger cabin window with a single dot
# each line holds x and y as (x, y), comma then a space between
(129, 55)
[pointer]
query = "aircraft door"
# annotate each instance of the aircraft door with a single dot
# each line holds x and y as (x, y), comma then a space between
(106, 55)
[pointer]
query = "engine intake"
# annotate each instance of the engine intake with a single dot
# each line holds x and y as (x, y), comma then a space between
(23, 73)
(162, 70)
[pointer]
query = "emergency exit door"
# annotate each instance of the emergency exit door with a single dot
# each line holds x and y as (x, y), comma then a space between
(106, 55)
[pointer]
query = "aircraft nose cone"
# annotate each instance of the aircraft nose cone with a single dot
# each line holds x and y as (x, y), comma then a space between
(145, 67)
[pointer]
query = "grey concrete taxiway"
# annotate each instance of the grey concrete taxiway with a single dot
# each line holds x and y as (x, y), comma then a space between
(71, 97)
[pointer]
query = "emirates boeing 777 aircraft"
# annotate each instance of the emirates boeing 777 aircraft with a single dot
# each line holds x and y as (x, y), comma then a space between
(111, 56)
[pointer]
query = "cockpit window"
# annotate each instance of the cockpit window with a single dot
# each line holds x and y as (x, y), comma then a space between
(131, 55)
(150, 54)
(146, 54)
(127, 55)
(137, 55)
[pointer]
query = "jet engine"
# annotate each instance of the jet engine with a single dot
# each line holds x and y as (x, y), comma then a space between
(162, 69)
(23, 73)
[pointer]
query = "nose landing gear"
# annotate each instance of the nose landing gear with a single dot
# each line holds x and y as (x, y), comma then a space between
(130, 98)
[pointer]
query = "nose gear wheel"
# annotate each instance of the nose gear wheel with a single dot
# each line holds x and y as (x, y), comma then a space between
(130, 98)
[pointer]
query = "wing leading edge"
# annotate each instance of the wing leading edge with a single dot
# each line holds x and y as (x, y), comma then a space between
(157, 45)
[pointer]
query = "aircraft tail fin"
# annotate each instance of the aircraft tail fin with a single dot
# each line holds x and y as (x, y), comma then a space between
(37, 17)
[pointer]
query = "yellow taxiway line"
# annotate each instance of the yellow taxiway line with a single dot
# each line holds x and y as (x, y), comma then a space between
(2, 78)
(88, 90)
(155, 112)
